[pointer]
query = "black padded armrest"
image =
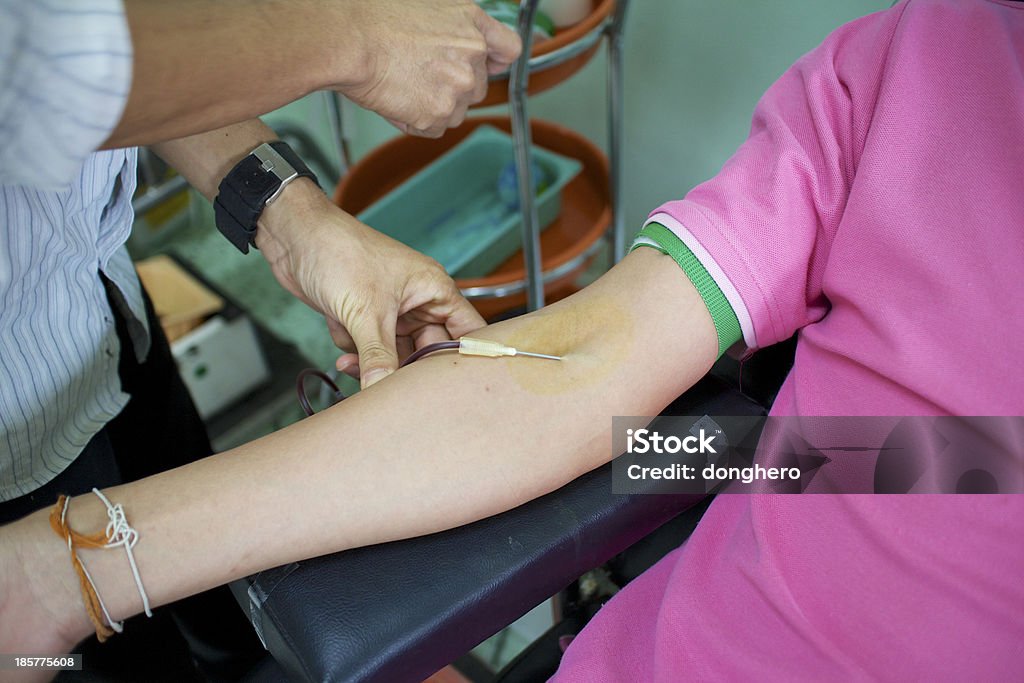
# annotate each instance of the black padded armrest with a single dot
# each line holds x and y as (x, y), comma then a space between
(401, 611)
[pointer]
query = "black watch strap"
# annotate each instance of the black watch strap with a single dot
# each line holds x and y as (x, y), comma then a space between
(252, 184)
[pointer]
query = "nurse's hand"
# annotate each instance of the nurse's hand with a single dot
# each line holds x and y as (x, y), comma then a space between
(379, 296)
(424, 62)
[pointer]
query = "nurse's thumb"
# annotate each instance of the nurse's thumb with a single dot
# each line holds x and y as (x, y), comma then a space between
(375, 344)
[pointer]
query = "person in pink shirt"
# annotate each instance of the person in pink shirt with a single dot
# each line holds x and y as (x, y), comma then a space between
(876, 211)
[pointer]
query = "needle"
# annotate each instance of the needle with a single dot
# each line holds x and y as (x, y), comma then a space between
(493, 349)
(537, 355)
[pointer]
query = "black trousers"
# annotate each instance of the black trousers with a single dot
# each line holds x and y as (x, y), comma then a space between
(205, 637)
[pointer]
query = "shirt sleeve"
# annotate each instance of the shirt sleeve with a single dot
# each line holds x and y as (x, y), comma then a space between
(65, 73)
(763, 227)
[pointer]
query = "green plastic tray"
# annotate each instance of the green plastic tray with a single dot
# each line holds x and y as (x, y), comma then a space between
(462, 209)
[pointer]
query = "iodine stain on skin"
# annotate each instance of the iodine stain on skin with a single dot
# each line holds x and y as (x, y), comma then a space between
(592, 338)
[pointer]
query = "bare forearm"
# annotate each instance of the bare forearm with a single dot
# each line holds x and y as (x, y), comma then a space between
(205, 158)
(444, 442)
(205, 64)
(199, 65)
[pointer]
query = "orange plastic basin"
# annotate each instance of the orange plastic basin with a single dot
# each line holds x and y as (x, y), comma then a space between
(497, 91)
(585, 215)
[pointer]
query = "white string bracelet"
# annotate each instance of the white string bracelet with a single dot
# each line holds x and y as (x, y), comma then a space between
(115, 626)
(121, 534)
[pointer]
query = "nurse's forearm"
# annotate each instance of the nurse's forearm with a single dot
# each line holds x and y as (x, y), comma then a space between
(200, 65)
(446, 441)
(205, 159)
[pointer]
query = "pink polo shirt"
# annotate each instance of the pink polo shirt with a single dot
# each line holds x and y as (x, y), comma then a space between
(878, 209)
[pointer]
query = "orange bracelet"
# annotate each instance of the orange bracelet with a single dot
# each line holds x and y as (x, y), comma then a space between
(93, 605)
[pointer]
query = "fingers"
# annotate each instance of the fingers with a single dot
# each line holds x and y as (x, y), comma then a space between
(503, 44)
(339, 335)
(467, 83)
(405, 347)
(480, 81)
(422, 335)
(453, 112)
(438, 67)
(401, 126)
(374, 339)
(428, 334)
(463, 318)
(349, 364)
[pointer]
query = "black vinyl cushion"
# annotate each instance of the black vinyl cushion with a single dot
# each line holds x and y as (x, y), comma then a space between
(401, 611)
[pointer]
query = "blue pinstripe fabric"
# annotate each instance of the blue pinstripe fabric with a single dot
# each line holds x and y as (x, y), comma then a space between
(65, 213)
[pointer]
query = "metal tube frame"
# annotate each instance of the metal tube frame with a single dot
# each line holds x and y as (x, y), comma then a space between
(336, 120)
(519, 286)
(517, 90)
(523, 143)
(615, 127)
(562, 54)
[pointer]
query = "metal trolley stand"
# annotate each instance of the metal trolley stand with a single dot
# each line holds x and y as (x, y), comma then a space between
(535, 279)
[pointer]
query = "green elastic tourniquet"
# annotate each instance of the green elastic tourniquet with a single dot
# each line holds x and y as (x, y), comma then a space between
(727, 325)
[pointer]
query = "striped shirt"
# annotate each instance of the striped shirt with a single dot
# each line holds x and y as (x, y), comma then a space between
(65, 214)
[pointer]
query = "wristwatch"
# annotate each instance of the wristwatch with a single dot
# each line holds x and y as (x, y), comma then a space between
(256, 181)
